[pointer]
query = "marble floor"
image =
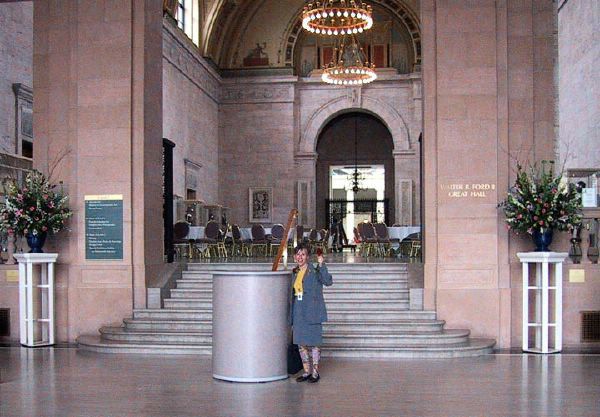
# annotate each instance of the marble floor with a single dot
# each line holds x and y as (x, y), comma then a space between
(66, 382)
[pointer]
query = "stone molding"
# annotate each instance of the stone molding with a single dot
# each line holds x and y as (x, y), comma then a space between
(305, 156)
(187, 60)
(346, 103)
(404, 153)
(257, 93)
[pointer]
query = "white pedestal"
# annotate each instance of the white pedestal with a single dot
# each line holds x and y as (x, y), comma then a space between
(547, 289)
(36, 298)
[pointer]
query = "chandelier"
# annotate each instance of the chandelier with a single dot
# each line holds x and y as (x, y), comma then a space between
(349, 65)
(356, 177)
(337, 17)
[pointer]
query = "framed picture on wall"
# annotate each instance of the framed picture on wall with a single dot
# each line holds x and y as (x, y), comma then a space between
(260, 204)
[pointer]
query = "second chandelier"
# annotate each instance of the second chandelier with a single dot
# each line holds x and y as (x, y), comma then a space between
(337, 17)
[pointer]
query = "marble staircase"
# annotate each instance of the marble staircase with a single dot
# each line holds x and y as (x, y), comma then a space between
(368, 308)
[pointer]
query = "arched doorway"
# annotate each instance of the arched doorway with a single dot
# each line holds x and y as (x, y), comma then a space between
(358, 140)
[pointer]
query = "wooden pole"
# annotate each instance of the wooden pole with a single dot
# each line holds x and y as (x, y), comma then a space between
(284, 241)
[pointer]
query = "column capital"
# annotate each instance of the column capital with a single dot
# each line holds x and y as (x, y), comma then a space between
(404, 153)
(305, 156)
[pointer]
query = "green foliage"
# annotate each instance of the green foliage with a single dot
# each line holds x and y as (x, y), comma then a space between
(34, 208)
(539, 201)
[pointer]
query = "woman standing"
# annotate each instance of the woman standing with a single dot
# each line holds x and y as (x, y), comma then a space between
(307, 310)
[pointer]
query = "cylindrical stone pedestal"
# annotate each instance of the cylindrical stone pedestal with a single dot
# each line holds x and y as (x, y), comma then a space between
(250, 329)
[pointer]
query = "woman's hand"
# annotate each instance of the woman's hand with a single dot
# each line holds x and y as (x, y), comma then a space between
(320, 258)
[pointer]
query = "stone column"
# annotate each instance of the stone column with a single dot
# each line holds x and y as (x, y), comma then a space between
(98, 128)
(488, 100)
(461, 163)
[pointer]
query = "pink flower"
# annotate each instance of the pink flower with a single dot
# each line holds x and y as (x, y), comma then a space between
(520, 216)
(543, 211)
(535, 217)
(541, 222)
(546, 205)
(31, 208)
(44, 228)
(45, 196)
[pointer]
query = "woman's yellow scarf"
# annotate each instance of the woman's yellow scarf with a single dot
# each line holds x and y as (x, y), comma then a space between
(298, 282)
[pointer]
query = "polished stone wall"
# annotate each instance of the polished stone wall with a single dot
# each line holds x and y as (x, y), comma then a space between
(490, 94)
(190, 114)
(97, 77)
(16, 44)
(579, 76)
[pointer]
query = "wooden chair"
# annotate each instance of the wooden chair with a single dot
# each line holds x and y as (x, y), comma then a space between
(239, 244)
(215, 246)
(277, 232)
(383, 239)
(313, 239)
(369, 239)
(259, 239)
(181, 245)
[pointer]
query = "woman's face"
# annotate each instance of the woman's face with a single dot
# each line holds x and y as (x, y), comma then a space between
(301, 257)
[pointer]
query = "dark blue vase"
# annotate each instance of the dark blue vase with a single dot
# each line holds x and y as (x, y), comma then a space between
(36, 242)
(542, 240)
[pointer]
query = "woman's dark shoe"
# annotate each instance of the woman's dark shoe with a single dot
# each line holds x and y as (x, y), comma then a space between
(312, 379)
(303, 378)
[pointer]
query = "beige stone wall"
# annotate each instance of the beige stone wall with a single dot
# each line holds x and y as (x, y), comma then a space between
(579, 132)
(16, 63)
(269, 128)
(256, 144)
(190, 113)
(489, 75)
(97, 75)
(579, 76)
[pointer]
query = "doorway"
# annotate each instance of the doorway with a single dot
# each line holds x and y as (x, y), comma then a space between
(355, 171)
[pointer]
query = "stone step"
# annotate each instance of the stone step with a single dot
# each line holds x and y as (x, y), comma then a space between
(391, 326)
(201, 294)
(196, 275)
(369, 305)
(371, 267)
(398, 314)
(362, 284)
(173, 314)
(363, 275)
(340, 314)
(162, 337)
(95, 343)
(339, 284)
(193, 303)
(365, 294)
(384, 338)
(471, 348)
(168, 325)
(194, 284)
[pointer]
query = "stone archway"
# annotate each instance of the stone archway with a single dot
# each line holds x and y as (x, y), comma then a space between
(354, 138)
(351, 102)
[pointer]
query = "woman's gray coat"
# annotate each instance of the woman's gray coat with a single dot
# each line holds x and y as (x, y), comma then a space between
(307, 315)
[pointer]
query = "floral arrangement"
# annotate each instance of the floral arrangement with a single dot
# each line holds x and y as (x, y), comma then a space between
(539, 201)
(35, 208)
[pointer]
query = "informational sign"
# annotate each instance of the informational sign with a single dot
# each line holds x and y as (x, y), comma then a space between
(103, 227)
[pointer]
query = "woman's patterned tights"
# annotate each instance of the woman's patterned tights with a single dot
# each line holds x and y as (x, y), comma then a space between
(306, 352)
